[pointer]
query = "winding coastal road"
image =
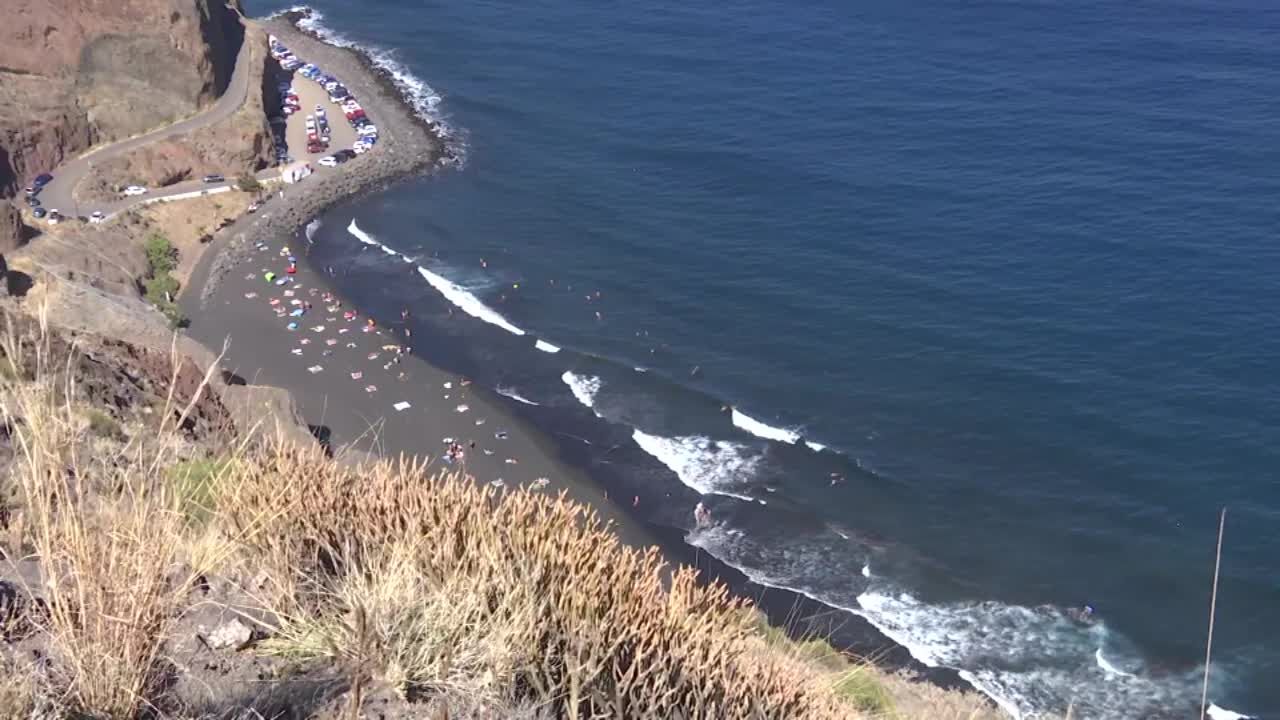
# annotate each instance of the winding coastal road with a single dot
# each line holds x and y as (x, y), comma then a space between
(58, 193)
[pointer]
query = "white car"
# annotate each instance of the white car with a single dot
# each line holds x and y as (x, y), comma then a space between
(367, 130)
(134, 190)
(97, 217)
(359, 148)
(329, 161)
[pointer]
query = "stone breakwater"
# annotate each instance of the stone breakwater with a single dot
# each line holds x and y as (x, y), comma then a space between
(407, 144)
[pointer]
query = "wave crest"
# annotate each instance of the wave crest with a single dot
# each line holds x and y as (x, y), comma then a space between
(745, 422)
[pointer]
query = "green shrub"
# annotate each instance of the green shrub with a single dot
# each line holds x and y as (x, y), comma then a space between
(103, 425)
(194, 481)
(248, 183)
(162, 257)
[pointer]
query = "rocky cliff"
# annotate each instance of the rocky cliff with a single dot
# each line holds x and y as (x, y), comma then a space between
(77, 72)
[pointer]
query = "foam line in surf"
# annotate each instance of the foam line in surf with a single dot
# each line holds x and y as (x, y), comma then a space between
(745, 422)
(508, 392)
(546, 347)
(708, 466)
(1040, 660)
(1219, 713)
(1106, 665)
(584, 388)
(361, 235)
(466, 302)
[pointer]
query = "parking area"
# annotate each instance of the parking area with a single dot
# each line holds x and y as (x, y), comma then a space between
(323, 124)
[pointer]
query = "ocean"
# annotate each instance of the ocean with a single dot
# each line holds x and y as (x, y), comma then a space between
(957, 316)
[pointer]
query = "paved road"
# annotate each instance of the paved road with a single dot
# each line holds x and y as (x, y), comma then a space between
(57, 194)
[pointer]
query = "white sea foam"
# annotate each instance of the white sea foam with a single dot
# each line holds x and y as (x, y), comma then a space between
(1218, 713)
(816, 447)
(759, 429)
(361, 235)
(705, 465)
(545, 346)
(416, 92)
(508, 392)
(1030, 661)
(387, 250)
(312, 228)
(583, 387)
(1107, 666)
(466, 302)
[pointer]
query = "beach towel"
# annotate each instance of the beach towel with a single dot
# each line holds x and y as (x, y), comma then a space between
(269, 277)
(297, 313)
(314, 369)
(357, 375)
(292, 326)
(401, 406)
(371, 388)
(296, 351)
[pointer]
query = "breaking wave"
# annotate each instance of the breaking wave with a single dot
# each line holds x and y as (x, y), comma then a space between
(583, 387)
(546, 347)
(508, 392)
(761, 430)
(466, 302)
(708, 466)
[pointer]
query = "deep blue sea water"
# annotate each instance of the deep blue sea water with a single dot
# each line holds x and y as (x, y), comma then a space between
(1013, 264)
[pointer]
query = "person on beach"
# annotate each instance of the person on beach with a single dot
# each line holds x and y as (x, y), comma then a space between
(701, 515)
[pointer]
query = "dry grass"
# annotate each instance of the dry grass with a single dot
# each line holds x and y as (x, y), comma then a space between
(434, 584)
(469, 601)
(106, 531)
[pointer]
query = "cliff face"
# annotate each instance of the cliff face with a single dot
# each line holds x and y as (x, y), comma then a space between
(241, 143)
(10, 232)
(77, 72)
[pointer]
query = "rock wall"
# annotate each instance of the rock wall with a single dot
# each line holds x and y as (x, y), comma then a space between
(77, 72)
(10, 228)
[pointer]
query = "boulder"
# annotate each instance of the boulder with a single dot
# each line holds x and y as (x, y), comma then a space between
(230, 635)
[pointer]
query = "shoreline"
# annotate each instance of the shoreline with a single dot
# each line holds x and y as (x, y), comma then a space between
(403, 132)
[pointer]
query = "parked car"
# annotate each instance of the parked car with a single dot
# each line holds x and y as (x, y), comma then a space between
(55, 217)
(253, 207)
(134, 190)
(42, 179)
(31, 190)
(33, 201)
(214, 178)
(329, 161)
(39, 212)
(345, 154)
(97, 216)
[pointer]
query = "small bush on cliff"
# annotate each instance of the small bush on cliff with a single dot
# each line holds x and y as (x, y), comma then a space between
(248, 183)
(159, 286)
